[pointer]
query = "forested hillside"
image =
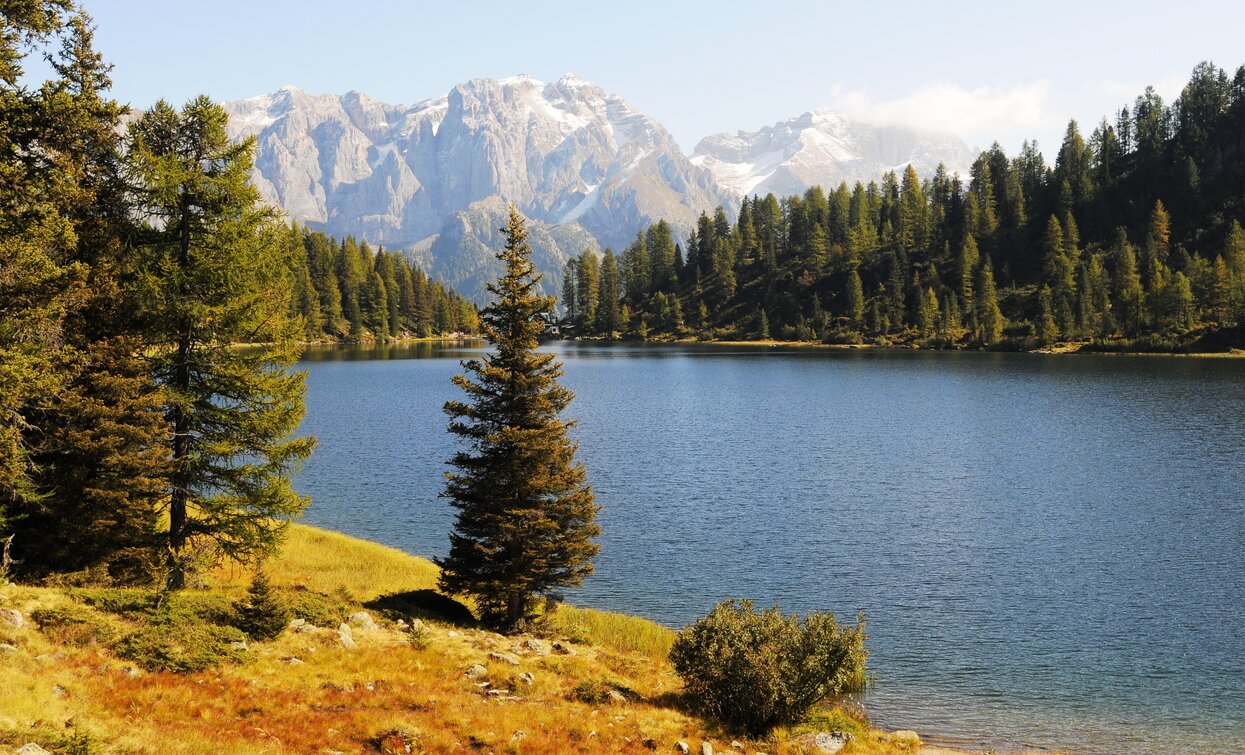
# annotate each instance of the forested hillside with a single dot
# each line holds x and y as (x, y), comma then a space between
(345, 290)
(1130, 240)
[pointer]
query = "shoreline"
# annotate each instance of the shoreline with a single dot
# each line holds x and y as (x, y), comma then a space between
(936, 745)
(368, 659)
(1057, 350)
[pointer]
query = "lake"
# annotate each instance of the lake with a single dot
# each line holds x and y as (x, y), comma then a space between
(1050, 550)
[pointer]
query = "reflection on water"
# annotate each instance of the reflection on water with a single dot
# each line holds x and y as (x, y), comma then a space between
(1049, 549)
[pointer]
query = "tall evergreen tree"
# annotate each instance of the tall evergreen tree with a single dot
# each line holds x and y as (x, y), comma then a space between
(526, 513)
(989, 317)
(216, 276)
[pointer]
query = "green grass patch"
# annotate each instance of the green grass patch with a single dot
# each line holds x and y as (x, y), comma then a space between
(616, 631)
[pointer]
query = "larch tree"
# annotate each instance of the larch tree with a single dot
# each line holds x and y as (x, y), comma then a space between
(216, 274)
(526, 514)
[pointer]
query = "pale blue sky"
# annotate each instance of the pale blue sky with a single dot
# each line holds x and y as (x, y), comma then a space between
(982, 70)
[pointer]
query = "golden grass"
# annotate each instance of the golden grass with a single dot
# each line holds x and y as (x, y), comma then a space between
(628, 634)
(330, 561)
(332, 698)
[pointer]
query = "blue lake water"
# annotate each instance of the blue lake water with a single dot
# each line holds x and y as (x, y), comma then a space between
(1050, 550)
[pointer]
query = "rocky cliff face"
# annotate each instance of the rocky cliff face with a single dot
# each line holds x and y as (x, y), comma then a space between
(562, 152)
(823, 148)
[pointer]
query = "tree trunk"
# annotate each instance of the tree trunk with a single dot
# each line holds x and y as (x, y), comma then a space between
(179, 495)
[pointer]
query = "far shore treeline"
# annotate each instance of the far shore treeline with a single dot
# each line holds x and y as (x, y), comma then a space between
(1132, 240)
(343, 290)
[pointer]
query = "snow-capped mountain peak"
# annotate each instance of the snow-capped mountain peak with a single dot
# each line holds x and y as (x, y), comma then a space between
(822, 147)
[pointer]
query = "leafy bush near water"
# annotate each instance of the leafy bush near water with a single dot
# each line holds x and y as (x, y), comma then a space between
(754, 671)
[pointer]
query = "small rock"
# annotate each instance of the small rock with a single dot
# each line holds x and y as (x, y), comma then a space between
(649, 744)
(535, 647)
(907, 735)
(737, 745)
(14, 619)
(527, 678)
(7, 649)
(292, 660)
(346, 636)
(452, 633)
(592, 734)
(616, 697)
(363, 619)
(517, 737)
(30, 748)
(562, 649)
(306, 628)
(824, 742)
(510, 658)
(681, 747)
(475, 671)
(417, 625)
(59, 691)
(130, 671)
(706, 748)
(296, 623)
(240, 646)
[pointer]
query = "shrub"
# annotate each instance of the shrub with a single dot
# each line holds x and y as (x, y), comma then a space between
(125, 602)
(318, 608)
(754, 671)
(74, 625)
(261, 615)
(182, 647)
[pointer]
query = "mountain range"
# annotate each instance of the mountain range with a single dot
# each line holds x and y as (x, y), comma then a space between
(586, 167)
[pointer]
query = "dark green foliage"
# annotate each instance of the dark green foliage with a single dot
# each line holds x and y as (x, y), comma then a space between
(848, 264)
(183, 647)
(526, 514)
(342, 290)
(754, 671)
(214, 276)
(73, 624)
(262, 615)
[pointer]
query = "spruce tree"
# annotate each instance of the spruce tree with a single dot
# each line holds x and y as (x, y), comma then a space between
(526, 514)
(216, 275)
(261, 615)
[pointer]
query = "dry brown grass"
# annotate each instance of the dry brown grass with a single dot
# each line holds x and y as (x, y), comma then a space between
(83, 699)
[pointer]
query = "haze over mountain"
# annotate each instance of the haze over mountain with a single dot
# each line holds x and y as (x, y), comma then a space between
(585, 166)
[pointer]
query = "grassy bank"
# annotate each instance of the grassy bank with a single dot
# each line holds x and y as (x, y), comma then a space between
(77, 680)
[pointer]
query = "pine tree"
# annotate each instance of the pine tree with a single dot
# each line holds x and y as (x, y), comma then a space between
(587, 286)
(39, 189)
(1047, 329)
(989, 316)
(261, 615)
(608, 316)
(214, 278)
(855, 299)
(526, 513)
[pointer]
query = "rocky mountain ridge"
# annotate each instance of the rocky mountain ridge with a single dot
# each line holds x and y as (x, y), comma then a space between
(585, 166)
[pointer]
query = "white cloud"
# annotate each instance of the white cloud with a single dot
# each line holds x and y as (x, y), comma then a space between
(978, 115)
